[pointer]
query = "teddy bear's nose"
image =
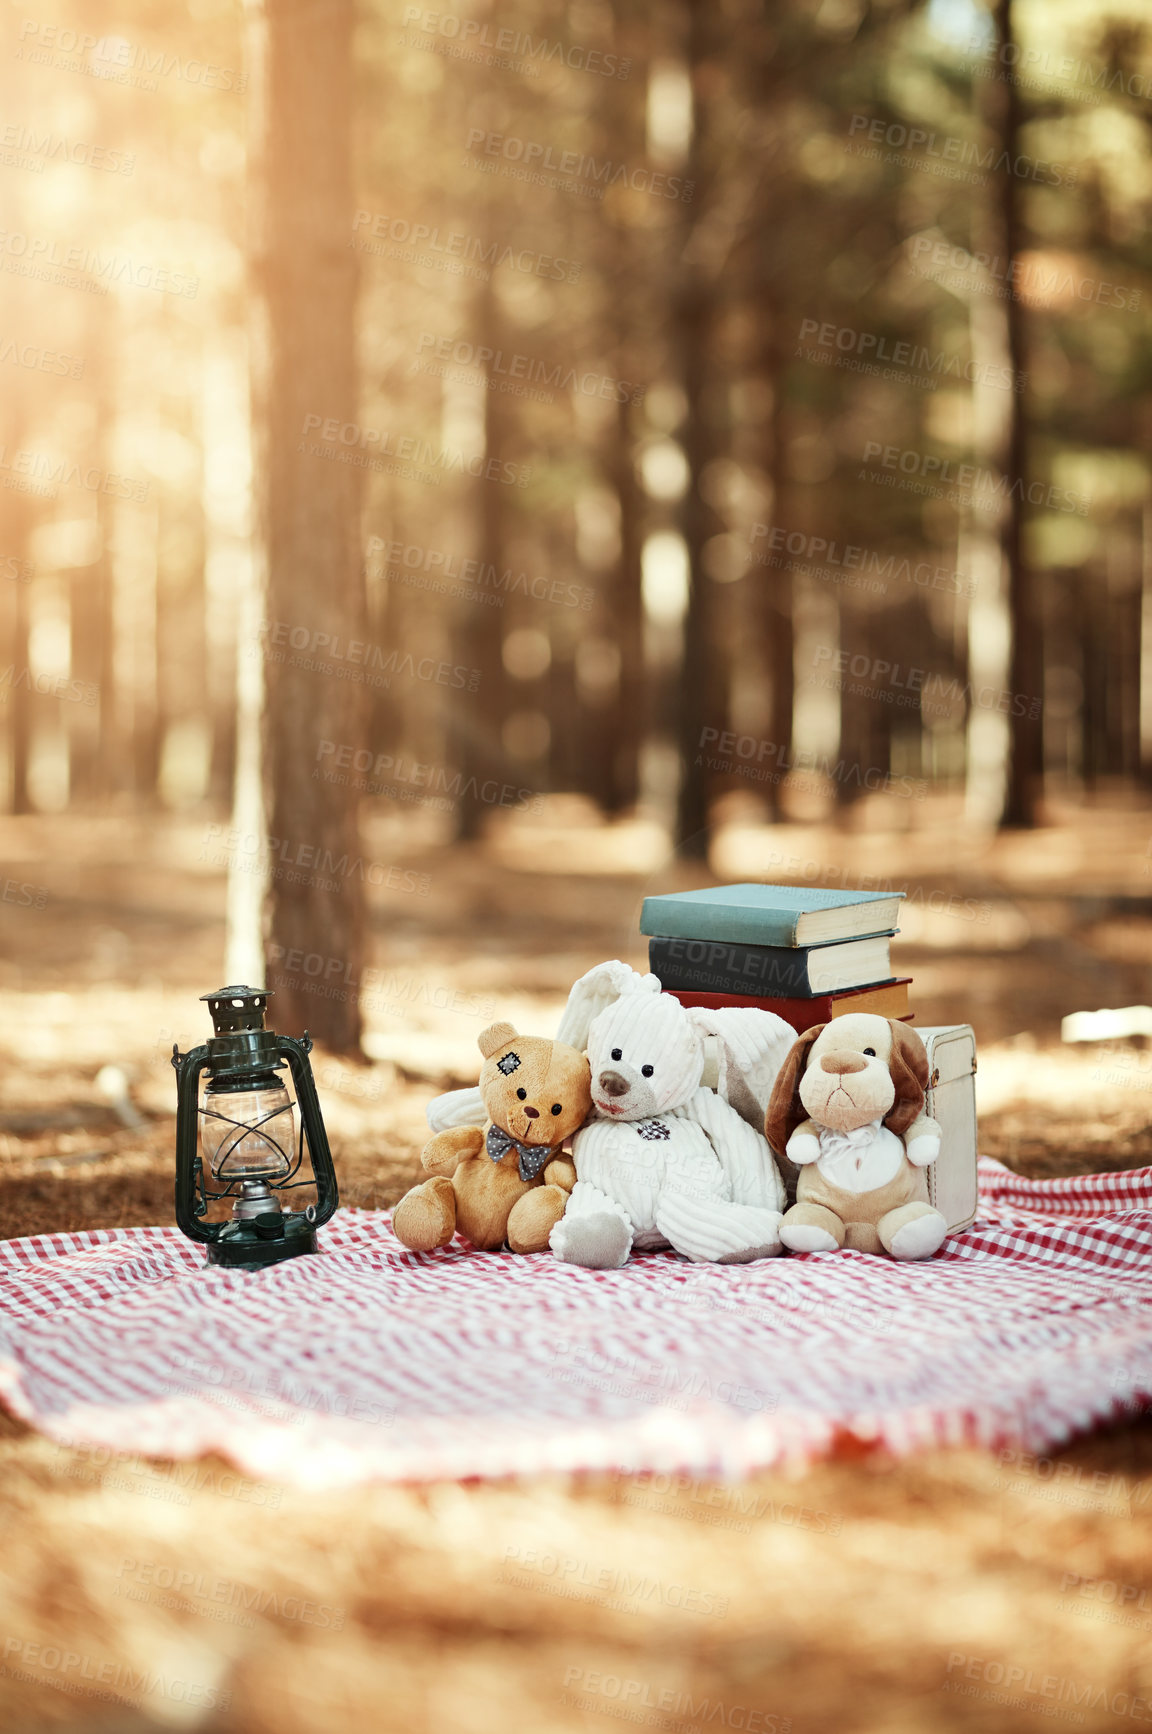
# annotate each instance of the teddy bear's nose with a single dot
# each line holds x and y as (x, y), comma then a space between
(532, 1113)
(613, 1084)
(838, 1063)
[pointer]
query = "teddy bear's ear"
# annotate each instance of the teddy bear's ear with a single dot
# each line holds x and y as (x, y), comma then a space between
(785, 1110)
(491, 1040)
(909, 1067)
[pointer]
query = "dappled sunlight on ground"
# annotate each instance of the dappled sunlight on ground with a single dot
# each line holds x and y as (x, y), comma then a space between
(551, 1599)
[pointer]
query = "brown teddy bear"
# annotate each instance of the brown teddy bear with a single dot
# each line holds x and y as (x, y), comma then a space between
(505, 1181)
(848, 1109)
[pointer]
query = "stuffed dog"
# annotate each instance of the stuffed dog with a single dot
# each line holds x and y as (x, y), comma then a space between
(665, 1161)
(505, 1181)
(848, 1109)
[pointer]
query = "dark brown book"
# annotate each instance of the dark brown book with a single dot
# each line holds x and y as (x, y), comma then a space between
(887, 999)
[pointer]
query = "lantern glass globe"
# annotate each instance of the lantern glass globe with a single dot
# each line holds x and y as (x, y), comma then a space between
(248, 1134)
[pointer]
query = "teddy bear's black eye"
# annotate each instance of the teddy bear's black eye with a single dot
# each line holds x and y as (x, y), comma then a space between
(556, 1109)
(617, 1053)
(521, 1094)
(871, 1051)
(647, 1071)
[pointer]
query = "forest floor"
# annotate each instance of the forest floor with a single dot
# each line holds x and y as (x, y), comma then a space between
(935, 1593)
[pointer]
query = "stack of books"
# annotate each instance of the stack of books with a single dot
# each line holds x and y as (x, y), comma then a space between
(805, 953)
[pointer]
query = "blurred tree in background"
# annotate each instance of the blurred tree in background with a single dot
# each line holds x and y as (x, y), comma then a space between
(304, 350)
(742, 410)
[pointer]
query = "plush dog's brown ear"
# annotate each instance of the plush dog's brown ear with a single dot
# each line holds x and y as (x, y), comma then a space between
(491, 1040)
(909, 1068)
(785, 1109)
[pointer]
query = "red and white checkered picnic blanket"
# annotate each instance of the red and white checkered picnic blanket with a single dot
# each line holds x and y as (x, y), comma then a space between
(371, 1362)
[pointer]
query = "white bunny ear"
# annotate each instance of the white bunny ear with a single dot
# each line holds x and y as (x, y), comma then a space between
(595, 992)
(749, 1046)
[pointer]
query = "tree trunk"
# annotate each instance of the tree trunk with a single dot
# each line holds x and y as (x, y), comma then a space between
(16, 694)
(477, 733)
(981, 555)
(631, 706)
(861, 718)
(774, 584)
(19, 699)
(1098, 664)
(91, 729)
(181, 650)
(701, 696)
(309, 508)
(92, 748)
(1146, 643)
(1026, 761)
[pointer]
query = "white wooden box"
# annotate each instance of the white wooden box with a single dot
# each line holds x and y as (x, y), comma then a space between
(952, 1101)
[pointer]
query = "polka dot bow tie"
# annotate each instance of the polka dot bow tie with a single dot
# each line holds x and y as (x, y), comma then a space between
(533, 1157)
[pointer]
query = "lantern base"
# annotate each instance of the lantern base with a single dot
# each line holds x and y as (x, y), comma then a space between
(245, 1250)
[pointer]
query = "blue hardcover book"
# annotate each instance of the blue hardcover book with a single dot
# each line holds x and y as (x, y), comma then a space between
(788, 915)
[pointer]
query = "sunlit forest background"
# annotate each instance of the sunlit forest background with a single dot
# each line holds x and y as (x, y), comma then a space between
(666, 416)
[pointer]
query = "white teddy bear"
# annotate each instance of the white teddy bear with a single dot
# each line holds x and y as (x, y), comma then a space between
(665, 1161)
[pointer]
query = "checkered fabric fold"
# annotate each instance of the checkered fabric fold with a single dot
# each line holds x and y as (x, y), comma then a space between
(371, 1362)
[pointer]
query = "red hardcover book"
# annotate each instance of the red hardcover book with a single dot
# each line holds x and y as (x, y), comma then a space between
(888, 999)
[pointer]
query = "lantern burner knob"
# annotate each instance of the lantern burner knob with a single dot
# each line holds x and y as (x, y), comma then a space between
(255, 1202)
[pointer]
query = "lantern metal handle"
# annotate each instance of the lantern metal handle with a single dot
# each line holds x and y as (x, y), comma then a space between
(296, 1050)
(188, 1068)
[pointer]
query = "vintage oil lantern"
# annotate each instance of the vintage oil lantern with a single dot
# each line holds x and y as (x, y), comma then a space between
(237, 1138)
